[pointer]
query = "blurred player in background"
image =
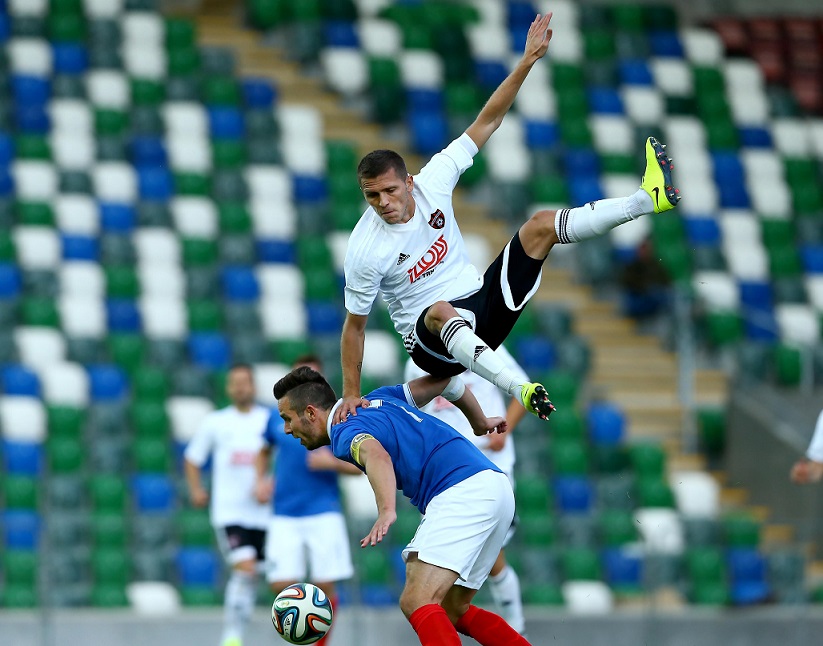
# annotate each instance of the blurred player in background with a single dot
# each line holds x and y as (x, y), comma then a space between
(408, 248)
(466, 501)
(233, 436)
(809, 469)
(307, 535)
(504, 583)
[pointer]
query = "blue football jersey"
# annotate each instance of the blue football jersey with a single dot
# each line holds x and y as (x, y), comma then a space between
(429, 456)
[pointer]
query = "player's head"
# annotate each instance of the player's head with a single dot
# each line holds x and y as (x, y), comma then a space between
(310, 360)
(240, 385)
(387, 185)
(304, 399)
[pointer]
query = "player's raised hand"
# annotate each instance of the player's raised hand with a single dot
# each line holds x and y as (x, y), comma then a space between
(806, 471)
(379, 529)
(491, 425)
(537, 40)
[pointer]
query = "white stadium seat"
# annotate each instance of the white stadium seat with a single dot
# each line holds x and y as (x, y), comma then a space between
(380, 355)
(814, 289)
(22, 419)
(488, 41)
(673, 76)
(164, 317)
(536, 99)
(103, 8)
(379, 37)
(39, 346)
(274, 218)
(421, 68)
(644, 105)
(71, 115)
(186, 414)
(304, 158)
(300, 121)
(567, 45)
(73, 150)
(371, 8)
(31, 56)
(702, 46)
(143, 27)
(115, 182)
(265, 376)
(189, 152)
(162, 280)
(268, 182)
(685, 134)
(153, 598)
(76, 214)
(816, 136)
(792, 137)
(587, 597)
(157, 245)
(276, 325)
(82, 316)
(612, 133)
(346, 70)
(108, 89)
(185, 118)
(338, 242)
(65, 384)
(35, 181)
(747, 264)
(38, 247)
(478, 249)
(631, 234)
(145, 61)
(716, 290)
(509, 161)
(195, 217)
(798, 324)
(749, 107)
(696, 493)
(661, 530)
(28, 8)
(82, 278)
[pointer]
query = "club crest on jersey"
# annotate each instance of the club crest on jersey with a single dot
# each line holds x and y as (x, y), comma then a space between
(429, 261)
(437, 220)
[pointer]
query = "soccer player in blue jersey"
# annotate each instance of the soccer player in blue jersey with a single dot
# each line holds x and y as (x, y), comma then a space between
(466, 501)
(307, 534)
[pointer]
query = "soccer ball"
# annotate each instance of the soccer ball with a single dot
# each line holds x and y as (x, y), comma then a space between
(301, 613)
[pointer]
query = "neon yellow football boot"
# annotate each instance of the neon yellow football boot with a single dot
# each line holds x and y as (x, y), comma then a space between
(657, 180)
(536, 400)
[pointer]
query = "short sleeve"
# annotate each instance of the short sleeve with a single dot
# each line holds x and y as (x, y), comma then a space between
(400, 392)
(200, 446)
(446, 167)
(362, 284)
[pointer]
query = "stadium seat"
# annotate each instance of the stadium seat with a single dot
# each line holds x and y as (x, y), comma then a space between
(197, 566)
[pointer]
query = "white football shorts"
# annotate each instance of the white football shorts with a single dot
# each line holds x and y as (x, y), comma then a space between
(308, 548)
(465, 527)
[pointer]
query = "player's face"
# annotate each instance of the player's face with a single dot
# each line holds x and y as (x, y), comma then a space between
(390, 196)
(303, 425)
(240, 387)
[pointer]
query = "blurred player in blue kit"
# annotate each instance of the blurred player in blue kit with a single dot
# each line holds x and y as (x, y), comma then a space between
(306, 538)
(466, 501)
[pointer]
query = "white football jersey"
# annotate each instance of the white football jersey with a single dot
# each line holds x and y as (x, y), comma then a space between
(493, 401)
(422, 261)
(233, 439)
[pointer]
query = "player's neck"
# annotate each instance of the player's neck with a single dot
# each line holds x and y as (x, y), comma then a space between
(243, 408)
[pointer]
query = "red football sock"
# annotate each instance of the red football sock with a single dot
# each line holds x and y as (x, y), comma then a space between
(433, 627)
(325, 640)
(489, 629)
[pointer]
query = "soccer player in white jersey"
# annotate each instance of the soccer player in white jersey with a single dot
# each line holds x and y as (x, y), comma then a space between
(504, 583)
(407, 247)
(233, 436)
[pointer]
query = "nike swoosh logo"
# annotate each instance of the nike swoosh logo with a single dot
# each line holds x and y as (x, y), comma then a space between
(656, 196)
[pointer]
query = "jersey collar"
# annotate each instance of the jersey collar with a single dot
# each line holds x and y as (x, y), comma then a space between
(331, 416)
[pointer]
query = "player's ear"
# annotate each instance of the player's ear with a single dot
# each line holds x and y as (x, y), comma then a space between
(409, 182)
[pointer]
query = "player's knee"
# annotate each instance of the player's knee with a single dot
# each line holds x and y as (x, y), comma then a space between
(437, 315)
(411, 600)
(541, 224)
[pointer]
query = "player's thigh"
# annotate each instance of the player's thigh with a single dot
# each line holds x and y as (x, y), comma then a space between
(328, 547)
(240, 544)
(285, 550)
(464, 527)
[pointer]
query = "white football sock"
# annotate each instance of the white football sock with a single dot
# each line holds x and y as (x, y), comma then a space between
(238, 606)
(505, 590)
(471, 351)
(595, 218)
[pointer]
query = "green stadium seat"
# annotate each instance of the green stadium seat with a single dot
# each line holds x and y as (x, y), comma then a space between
(711, 429)
(35, 214)
(32, 146)
(569, 457)
(18, 596)
(580, 564)
(194, 528)
(532, 494)
(39, 311)
(65, 455)
(108, 530)
(618, 164)
(563, 389)
(20, 567)
(65, 421)
(404, 528)
(647, 459)
(616, 527)
(654, 491)
(108, 493)
(537, 528)
(151, 455)
(128, 351)
(109, 596)
(543, 594)
(111, 566)
(219, 90)
(204, 315)
(228, 153)
(180, 33)
(200, 596)
(788, 365)
(150, 384)
(373, 566)
(147, 92)
(288, 350)
(723, 328)
(710, 593)
(741, 530)
(66, 27)
(108, 121)
(149, 419)
(19, 492)
(705, 564)
(234, 218)
(191, 184)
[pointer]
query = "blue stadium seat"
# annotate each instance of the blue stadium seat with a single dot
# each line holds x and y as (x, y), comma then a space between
(269, 250)
(727, 167)
(324, 318)
(210, 350)
(240, 284)
(197, 566)
(584, 189)
(154, 182)
(30, 90)
(107, 382)
(226, 123)
(69, 58)
(32, 119)
(635, 72)
(756, 295)
(733, 195)
(310, 189)
(606, 422)
(605, 100)
(420, 99)
(6, 181)
(573, 494)
(148, 151)
(21, 529)
(760, 325)
(123, 315)
(429, 132)
(340, 33)
(5, 27)
(258, 93)
(22, 458)
(535, 354)
(702, 231)
(666, 43)
(541, 135)
(812, 258)
(80, 247)
(754, 137)
(152, 492)
(378, 595)
(117, 218)
(622, 568)
(520, 15)
(19, 380)
(6, 149)
(747, 574)
(581, 161)
(490, 74)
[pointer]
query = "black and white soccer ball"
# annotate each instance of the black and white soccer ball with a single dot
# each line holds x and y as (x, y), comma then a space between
(302, 613)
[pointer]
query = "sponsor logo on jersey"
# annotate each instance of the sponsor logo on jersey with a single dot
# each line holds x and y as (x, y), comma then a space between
(429, 261)
(243, 458)
(403, 257)
(437, 220)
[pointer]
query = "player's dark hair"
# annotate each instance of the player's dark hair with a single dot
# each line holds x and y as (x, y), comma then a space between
(304, 386)
(243, 366)
(308, 358)
(380, 161)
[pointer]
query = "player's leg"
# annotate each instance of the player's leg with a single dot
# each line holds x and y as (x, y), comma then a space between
(655, 195)
(426, 587)
(504, 585)
(242, 547)
(285, 554)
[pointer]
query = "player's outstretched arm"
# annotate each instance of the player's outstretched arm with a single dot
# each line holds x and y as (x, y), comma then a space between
(380, 472)
(501, 100)
(351, 360)
(481, 425)
(263, 484)
(323, 459)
